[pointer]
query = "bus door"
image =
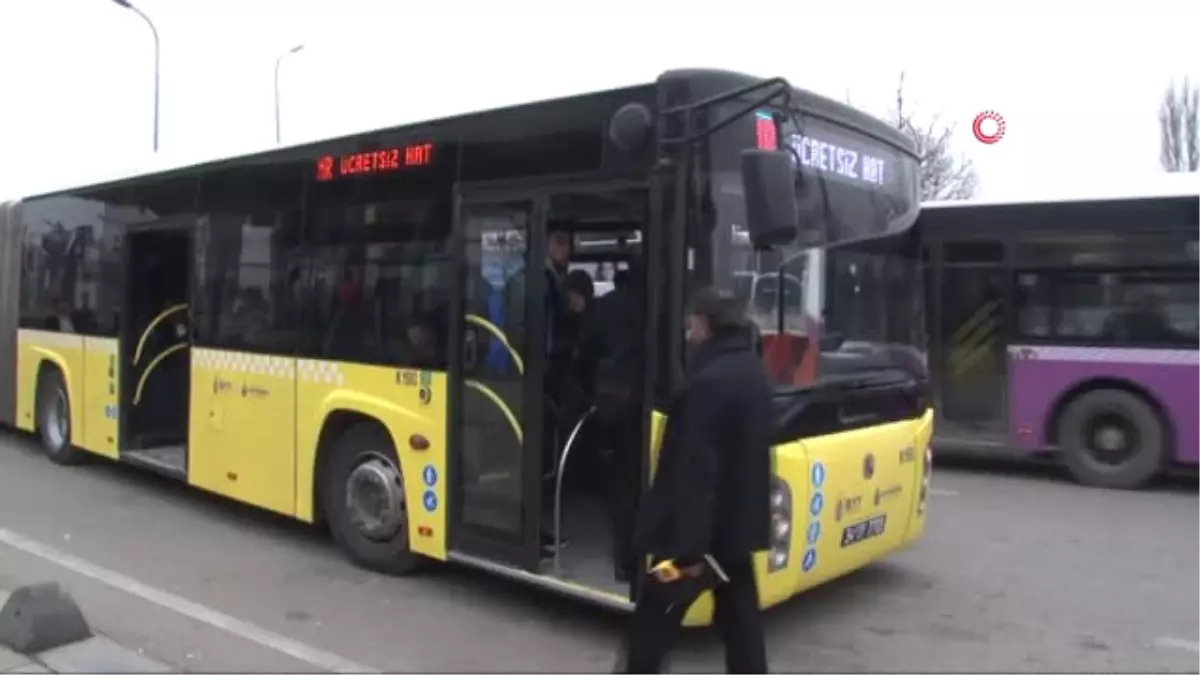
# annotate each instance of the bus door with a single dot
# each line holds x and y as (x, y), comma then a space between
(496, 392)
(969, 347)
(155, 347)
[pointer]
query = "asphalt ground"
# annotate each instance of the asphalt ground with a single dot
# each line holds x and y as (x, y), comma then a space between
(1019, 570)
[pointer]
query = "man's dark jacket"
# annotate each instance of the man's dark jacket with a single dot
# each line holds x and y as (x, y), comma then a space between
(712, 490)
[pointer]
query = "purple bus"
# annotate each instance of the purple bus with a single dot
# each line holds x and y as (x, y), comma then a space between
(1068, 328)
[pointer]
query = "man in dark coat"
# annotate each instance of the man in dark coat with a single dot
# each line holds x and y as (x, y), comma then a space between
(613, 346)
(708, 510)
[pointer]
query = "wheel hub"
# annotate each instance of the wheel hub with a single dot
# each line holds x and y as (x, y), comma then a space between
(1111, 440)
(375, 499)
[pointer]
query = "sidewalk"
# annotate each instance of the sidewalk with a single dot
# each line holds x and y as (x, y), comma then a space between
(12, 662)
(42, 630)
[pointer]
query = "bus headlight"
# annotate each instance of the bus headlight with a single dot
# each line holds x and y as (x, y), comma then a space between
(926, 472)
(781, 525)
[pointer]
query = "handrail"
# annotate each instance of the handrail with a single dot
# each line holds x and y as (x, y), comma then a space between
(562, 465)
(137, 353)
(492, 396)
(137, 394)
(499, 335)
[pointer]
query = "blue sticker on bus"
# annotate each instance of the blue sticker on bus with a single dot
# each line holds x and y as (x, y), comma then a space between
(817, 504)
(818, 474)
(430, 475)
(430, 500)
(814, 532)
(810, 560)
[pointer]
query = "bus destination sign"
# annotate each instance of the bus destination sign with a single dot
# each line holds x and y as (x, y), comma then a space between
(370, 162)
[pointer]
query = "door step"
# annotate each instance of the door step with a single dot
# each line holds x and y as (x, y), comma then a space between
(169, 459)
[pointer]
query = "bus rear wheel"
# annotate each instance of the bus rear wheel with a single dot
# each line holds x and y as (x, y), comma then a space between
(53, 412)
(364, 503)
(1112, 439)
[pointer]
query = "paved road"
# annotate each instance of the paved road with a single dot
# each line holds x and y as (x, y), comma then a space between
(1019, 571)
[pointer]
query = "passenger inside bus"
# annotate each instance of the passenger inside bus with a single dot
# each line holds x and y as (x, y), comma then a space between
(603, 471)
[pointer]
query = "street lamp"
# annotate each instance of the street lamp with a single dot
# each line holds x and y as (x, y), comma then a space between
(279, 60)
(128, 5)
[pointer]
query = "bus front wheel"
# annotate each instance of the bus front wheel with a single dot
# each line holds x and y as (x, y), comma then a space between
(363, 499)
(1112, 439)
(54, 419)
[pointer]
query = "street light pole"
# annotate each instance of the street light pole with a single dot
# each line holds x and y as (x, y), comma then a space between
(154, 31)
(278, 61)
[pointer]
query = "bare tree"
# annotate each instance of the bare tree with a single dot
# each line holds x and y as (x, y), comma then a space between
(1179, 128)
(945, 175)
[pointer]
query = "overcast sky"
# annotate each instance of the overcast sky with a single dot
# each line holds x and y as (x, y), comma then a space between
(1078, 91)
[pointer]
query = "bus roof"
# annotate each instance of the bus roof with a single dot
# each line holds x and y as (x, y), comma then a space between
(710, 81)
(1169, 186)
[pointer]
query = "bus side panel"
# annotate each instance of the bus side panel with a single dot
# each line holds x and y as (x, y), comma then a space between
(241, 427)
(920, 497)
(406, 402)
(61, 350)
(856, 477)
(10, 306)
(100, 373)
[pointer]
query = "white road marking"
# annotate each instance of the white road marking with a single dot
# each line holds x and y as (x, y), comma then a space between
(198, 612)
(1176, 643)
(943, 492)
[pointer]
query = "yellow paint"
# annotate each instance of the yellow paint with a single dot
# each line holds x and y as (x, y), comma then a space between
(101, 377)
(843, 455)
(924, 434)
(391, 396)
(63, 350)
(141, 344)
(255, 421)
(137, 393)
(242, 429)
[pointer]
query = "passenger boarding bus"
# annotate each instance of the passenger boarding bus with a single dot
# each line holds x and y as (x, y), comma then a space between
(354, 332)
(1068, 327)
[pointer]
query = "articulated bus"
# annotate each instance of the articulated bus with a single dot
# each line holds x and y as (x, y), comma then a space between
(321, 331)
(1069, 328)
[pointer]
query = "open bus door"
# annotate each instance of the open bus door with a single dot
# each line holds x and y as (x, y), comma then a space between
(496, 415)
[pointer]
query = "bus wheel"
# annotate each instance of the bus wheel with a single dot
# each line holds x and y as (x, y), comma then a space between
(363, 498)
(1112, 439)
(54, 419)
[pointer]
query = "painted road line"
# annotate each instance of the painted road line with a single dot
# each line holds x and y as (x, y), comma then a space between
(1177, 643)
(234, 626)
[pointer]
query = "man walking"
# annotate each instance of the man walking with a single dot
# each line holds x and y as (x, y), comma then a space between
(708, 510)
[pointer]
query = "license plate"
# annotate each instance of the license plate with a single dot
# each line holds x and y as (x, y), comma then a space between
(872, 527)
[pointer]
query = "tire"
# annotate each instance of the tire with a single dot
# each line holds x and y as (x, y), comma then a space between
(373, 538)
(1143, 448)
(53, 414)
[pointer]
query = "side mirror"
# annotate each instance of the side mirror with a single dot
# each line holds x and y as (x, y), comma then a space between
(831, 342)
(769, 183)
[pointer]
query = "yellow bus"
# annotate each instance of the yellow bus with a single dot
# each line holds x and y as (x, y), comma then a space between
(328, 332)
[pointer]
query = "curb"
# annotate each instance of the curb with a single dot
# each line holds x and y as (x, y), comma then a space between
(43, 623)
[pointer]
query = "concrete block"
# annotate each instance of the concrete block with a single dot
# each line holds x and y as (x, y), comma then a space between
(99, 655)
(38, 617)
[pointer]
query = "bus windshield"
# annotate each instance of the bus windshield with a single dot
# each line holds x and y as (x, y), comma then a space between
(851, 303)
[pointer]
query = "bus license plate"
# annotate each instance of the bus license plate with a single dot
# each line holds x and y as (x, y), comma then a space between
(872, 527)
